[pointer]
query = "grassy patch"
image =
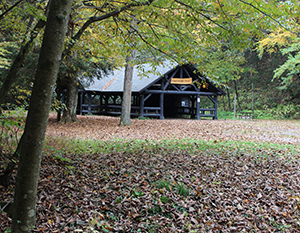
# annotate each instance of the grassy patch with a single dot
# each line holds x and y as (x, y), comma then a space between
(186, 146)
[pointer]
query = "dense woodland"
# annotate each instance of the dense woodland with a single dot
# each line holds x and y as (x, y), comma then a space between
(248, 48)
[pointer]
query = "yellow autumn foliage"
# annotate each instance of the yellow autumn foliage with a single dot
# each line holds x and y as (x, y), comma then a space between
(275, 41)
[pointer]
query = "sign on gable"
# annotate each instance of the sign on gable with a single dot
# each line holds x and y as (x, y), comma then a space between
(181, 80)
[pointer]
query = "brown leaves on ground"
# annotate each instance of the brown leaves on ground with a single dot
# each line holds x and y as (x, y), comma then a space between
(106, 128)
(168, 191)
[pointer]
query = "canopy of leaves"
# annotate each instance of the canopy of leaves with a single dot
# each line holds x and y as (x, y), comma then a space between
(183, 30)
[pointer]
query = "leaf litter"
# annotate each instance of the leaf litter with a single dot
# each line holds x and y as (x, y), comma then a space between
(166, 190)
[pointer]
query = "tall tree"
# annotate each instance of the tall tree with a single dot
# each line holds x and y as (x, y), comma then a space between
(126, 100)
(129, 66)
(24, 206)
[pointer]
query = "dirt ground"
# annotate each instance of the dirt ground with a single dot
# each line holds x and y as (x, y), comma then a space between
(106, 128)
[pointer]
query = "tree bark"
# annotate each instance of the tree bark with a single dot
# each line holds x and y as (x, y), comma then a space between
(69, 114)
(126, 101)
(229, 101)
(236, 88)
(24, 207)
(58, 94)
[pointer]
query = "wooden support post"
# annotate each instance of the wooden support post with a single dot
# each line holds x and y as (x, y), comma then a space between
(142, 102)
(216, 107)
(81, 102)
(89, 103)
(192, 107)
(161, 104)
(198, 107)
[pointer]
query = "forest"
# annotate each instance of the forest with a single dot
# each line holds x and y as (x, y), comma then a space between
(63, 172)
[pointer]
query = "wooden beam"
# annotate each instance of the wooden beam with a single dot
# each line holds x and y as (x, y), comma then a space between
(169, 79)
(164, 87)
(216, 107)
(180, 92)
(193, 106)
(161, 104)
(181, 72)
(175, 87)
(81, 102)
(89, 96)
(186, 87)
(147, 97)
(212, 99)
(142, 103)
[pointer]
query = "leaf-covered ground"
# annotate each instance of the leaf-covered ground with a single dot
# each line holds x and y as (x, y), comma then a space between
(183, 186)
(107, 128)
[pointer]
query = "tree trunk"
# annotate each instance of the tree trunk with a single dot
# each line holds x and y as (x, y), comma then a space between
(229, 101)
(126, 101)
(58, 94)
(24, 207)
(69, 114)
(237, 94)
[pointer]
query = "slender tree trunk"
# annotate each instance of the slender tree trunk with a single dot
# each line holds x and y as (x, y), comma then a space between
(69, 114)
(126, 101)
(58, 94)
(229, 101)
(24, 207)
(237, 93)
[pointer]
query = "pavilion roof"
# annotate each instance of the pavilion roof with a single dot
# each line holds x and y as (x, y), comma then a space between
(143, 75)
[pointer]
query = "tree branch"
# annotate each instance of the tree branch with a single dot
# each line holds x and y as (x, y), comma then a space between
(264, 13)
(199, 12)
(100, 18)
(9, 9)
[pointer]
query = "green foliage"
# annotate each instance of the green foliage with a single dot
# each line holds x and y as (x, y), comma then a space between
(289, 45)
(225, 115)
(290, 70)
(57, 105)
(19, 96)
(182, 189)
(5, 55)
(160, 184)
(286, 111)
(11, 126)
(221, 65)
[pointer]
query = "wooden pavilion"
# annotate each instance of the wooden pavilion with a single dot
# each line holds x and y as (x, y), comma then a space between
(167, 93)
